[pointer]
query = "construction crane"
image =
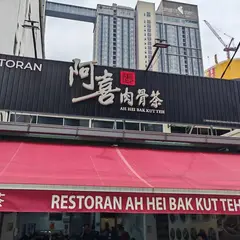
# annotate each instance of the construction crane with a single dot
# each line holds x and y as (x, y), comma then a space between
(227, 47)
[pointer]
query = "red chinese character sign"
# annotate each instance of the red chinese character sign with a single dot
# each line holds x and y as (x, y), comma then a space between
(65, 201)
(127, 78)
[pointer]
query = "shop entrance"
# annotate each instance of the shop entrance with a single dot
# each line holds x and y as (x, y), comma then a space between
(69, 226)
(66, 226)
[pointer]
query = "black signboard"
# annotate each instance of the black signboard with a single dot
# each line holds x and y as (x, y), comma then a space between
(85, 89)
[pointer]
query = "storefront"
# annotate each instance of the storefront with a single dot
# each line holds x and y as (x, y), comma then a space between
(155, 194)
(88, 90)
(134, 186)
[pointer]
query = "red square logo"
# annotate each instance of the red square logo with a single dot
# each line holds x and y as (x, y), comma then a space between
(127, 78)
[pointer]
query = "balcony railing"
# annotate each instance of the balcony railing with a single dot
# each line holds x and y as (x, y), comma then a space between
(39, 125)
(73, 121)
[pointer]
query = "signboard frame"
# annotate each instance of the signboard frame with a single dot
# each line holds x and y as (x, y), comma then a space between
(86, 89)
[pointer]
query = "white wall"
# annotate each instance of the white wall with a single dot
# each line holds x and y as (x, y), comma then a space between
(141, 19)
(15, 39)
(8, 24)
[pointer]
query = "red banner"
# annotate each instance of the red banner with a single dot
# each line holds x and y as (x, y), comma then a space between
(58, 201)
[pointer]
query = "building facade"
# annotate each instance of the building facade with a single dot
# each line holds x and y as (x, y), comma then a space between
(178, 24)
(25, 28)
(114, 36)
(124, 37)
(146, 34)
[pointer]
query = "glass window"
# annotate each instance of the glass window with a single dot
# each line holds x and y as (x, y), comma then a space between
(194, 53)
(200, 64)
(198, 40)
(172, 35)
(173, 64)
(195, 67)
(173, 50)
(193, 38)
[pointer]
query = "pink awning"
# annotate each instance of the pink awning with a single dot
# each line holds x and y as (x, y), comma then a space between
(75, 165)
(38, 177)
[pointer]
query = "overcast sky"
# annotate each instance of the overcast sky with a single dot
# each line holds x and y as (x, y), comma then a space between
(66, 39)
